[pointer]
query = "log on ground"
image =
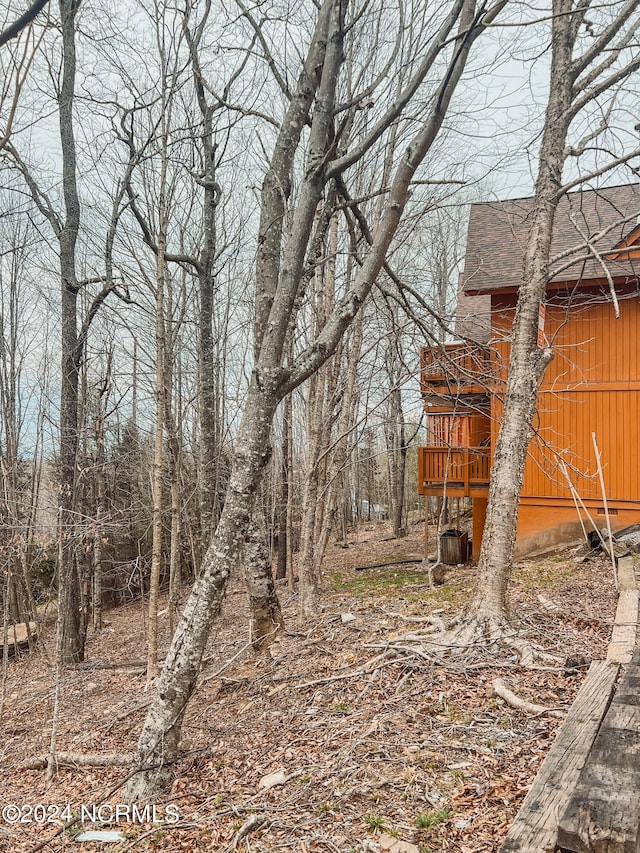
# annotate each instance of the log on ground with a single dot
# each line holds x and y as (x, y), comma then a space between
(603, 814)
(623, 638)
(535, 827)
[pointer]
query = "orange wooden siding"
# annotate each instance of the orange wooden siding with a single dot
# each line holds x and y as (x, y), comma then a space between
(592, 385)
(457, 430)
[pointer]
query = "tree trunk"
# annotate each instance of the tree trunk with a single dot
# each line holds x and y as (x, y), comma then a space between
(291, 581)
(159, 740)
(340, 451)
(100, 509)
(207, 401)
(396, 455)
(175, 569)
(173, 422)
(283, 498)
(308, 581)
(208, 412)
(266, 615)
(158, 451)
(320, 400)
(527, 361)
(72, 645)
(208, 462)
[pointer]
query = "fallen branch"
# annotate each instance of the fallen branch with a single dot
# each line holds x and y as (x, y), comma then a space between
(500, 689)
(391, 563)
(178, 825)
(404, 618)
(89, 665)
(437, 626)
(366, 669)
(548, 604)
(412, 651)
(77, 759)
(226, 665)
(253, 823)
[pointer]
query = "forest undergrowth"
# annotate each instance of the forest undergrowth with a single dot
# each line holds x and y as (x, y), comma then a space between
(345, 736)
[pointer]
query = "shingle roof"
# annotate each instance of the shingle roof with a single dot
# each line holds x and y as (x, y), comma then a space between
(498, 232)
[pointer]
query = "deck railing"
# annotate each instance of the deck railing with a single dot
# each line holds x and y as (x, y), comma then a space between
(467, 466)
(454, 364)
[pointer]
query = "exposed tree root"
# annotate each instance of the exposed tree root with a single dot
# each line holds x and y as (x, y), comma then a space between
(255, 821)
(479, 631)
(435, 622)
(501, 690)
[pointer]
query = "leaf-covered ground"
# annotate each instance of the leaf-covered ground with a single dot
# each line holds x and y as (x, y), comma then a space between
(346, 736)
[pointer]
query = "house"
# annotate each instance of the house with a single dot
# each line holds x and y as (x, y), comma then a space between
(591, 320)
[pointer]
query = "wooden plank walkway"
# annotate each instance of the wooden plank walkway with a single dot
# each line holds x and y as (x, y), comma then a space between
(603, 813)
(623, 639)
(585, 797)
(536, 825)
(626, 574)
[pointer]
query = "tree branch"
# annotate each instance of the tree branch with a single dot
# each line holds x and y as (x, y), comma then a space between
(605, 84)
(597, 172)
(471, 26)
(592, 76)
(578, 65)
(437, 45)
(267, 53)
(24, 20)
(40, 198)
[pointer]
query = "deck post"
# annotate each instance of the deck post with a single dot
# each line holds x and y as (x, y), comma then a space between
(479, 516)
(466, 462)
(426, 527)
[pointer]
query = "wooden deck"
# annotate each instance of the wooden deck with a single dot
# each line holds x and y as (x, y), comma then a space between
(536, 826)
(455, 368)
(463, 470)
(585, 798)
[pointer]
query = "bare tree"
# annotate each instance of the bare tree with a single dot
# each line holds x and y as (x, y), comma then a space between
(15, 65)
(204, 265)
(395, 436)
(278, 278)
(103, 394)
(19, 476)
(74, 329)
(589, 58)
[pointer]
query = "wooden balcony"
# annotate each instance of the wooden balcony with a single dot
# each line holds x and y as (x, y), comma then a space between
(454, 369)
(464, 470)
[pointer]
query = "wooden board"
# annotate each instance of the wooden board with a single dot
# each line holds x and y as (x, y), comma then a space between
(626, 574)
(535, 827)
(623, 638)
(603, 813)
